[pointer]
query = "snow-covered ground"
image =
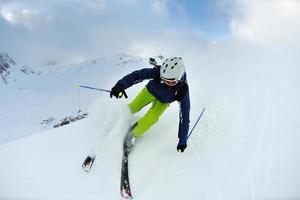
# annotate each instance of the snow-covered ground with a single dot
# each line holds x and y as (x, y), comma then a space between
(27, 100)
(245, 147)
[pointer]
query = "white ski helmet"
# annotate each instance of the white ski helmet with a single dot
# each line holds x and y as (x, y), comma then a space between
(172, 69)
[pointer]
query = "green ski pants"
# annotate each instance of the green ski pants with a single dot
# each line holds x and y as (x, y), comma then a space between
(151, 117)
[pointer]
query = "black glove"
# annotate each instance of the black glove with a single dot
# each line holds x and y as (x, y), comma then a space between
(118, 92)
(181, 147)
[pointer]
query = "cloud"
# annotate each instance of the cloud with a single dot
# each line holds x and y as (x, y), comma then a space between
(19, 13)
(160, 7)
(35, 32)
(94, 4)
(266, 21)
(172, 42)
(16, 14)
(38, 31)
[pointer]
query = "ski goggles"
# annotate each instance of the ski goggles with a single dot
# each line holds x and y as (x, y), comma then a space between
(170, 82)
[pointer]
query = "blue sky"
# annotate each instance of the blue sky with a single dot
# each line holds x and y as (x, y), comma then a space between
(82, 29)
(208, 16)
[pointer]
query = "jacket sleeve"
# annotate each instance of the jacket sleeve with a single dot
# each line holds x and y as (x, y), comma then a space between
(137, 76)
(184, 118)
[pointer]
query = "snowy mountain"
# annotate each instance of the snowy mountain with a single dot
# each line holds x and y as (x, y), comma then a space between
(245, 146)
(6, 63)
(10, 71)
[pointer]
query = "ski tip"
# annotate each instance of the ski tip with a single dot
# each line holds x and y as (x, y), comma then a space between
(126, 194)
(86, 168)
(88, 163)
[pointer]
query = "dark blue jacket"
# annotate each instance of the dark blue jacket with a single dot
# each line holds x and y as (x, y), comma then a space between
(164, 93)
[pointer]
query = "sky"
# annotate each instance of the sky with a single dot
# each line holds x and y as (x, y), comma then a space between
(36, 32)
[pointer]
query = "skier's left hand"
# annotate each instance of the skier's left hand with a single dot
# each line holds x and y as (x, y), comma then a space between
(181, 147)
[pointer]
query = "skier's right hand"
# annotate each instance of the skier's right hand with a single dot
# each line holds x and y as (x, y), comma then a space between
(118, 92)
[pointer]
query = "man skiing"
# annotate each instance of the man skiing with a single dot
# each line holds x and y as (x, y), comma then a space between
(168, 83)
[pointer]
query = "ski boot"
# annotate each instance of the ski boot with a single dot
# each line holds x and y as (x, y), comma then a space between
(88, 163)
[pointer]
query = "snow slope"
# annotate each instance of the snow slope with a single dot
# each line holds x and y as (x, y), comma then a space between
(27, 100)
(245, 147)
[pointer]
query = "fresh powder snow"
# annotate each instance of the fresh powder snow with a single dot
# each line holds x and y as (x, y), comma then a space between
(245, 146)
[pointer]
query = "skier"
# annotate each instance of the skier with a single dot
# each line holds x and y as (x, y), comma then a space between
(168, 83)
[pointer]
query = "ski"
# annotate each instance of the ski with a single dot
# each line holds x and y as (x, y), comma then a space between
(125, 186)
(88, 163)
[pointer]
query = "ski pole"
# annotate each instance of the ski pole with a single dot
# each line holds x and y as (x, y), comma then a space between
(195, 123)
(92, 88)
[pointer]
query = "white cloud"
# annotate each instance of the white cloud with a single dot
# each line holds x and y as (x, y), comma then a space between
(266, 21)
(172, 42)
(77, 28)
(94, 4)
(89, 28)
(17, 13)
